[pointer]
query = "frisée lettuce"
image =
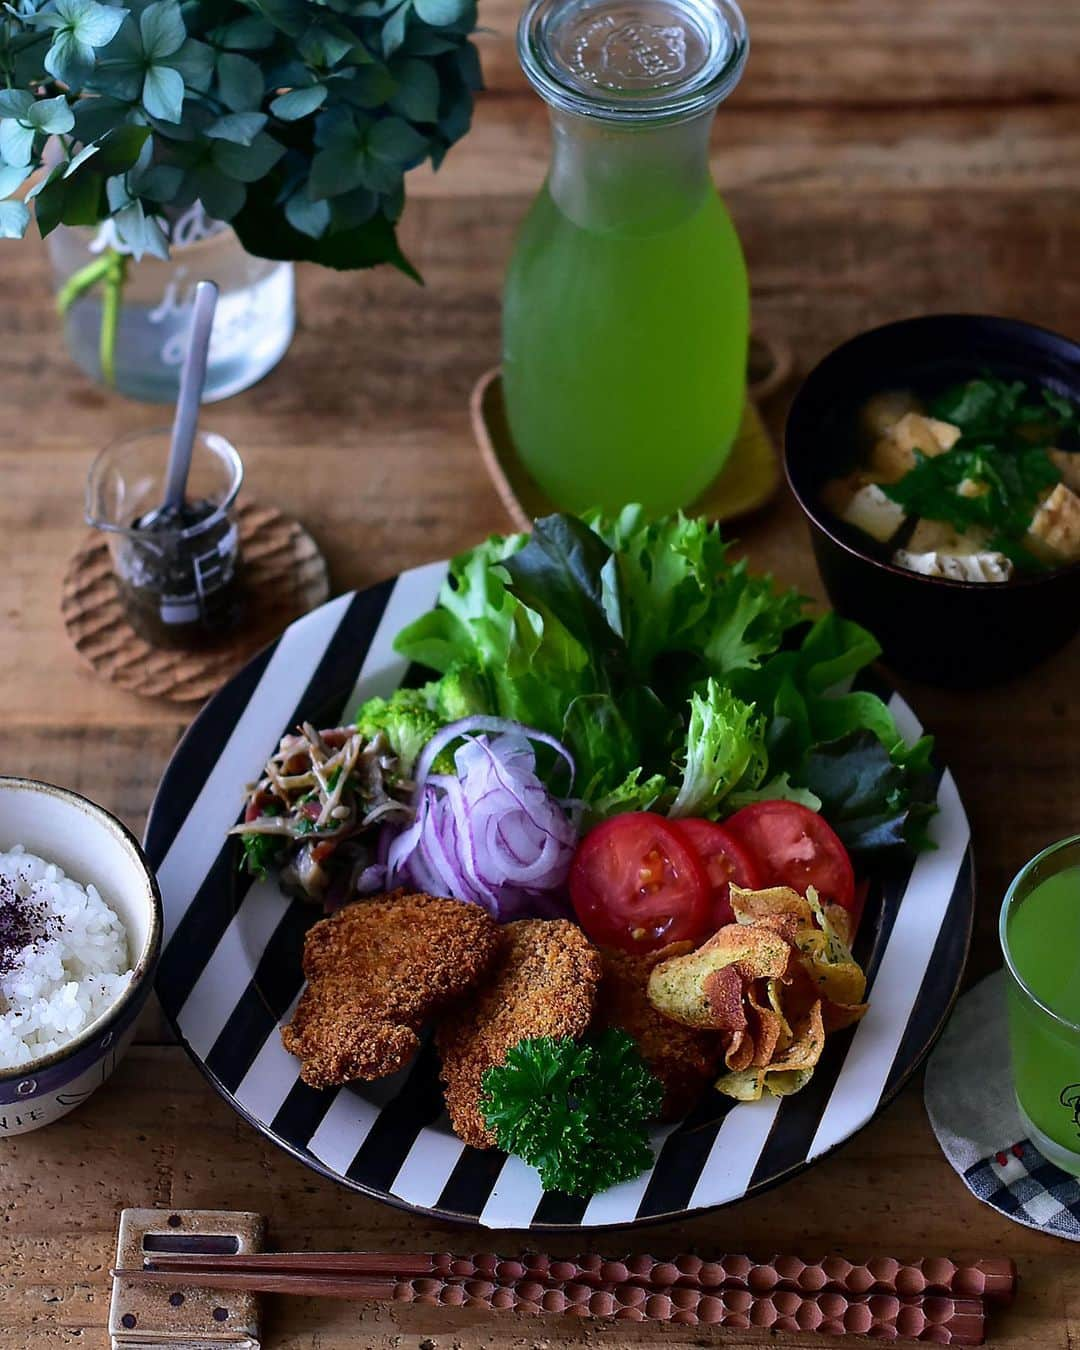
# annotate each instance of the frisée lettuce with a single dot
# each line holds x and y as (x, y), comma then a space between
(680, 681)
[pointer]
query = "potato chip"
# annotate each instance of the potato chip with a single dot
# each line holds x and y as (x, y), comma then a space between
(777, 901)
(789, 1071)
(766, 1028)
(837, 1016)
(775, 983)
(723, 991)
(746, 1085)
(686, 988)
(805, 1050)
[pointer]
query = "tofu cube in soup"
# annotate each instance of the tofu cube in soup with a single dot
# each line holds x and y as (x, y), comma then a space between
(882, 411)
(1068, 461)
(869, 510)
(1054, 532)
(894, 454)
(938, 536)
(989, 567)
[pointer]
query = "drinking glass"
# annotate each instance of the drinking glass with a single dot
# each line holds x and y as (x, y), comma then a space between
(1040, 938)
(179, 582)
(626, 305)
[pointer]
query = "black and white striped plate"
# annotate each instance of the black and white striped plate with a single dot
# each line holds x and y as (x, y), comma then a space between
(230, 971)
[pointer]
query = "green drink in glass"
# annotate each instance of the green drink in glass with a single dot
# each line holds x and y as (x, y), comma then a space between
(1040, 938)
(626, 308)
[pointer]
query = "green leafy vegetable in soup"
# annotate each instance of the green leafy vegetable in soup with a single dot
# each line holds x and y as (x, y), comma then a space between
(981, 482)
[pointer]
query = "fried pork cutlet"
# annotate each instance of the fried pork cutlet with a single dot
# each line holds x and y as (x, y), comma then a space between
(543, 983)
(376, 971)
(685, 1060)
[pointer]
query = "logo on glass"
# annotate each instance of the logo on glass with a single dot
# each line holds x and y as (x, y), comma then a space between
(1070, 1099)
(623, 55)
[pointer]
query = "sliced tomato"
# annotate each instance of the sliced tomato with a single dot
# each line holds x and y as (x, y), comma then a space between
(725, 860)
(636, 884)
(795, 847)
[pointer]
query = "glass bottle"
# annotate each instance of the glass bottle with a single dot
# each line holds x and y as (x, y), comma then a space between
(626, 307)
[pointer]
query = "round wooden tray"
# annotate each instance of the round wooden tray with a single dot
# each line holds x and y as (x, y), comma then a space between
(284, 574)
(746, 484)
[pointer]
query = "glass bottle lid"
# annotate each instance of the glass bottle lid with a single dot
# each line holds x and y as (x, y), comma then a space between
(633, 60)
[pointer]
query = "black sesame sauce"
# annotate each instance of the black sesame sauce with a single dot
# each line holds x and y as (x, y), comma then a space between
(180, 583)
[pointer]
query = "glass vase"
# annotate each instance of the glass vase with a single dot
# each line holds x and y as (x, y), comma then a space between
(139, 348)
(626, 306)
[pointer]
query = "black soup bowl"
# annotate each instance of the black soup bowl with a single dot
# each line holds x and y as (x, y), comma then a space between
(952, 633)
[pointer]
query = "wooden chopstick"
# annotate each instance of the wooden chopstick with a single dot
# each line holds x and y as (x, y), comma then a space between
(942, 1318)
(993, 1279)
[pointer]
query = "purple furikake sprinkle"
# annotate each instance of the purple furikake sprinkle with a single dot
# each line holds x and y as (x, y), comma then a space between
(22, 922)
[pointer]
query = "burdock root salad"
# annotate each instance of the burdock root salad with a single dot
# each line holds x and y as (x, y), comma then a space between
(63, 958)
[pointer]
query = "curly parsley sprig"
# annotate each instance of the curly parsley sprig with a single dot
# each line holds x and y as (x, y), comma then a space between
(576, 1112)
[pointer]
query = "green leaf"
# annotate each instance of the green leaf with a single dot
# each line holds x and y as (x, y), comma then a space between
(725, 749)
(393, 32)
(561, 571)
(240, 82)
(96, 117)
(335, 171)
(15, 103)
(268, 235)
(602, 742)
(251, 32)
(51, 116)
(417, 93)
(221, 195)
(240, 128)
(441, 13)
(247, 164)
(161, 27)
(81, 26)
(12, 176)
(866, 795)
(14, 218)
(370, 87)
(142, 233)
(577, 1113)
(310, 218)
(163, 92)
(297, 103)
(395, 141)
(195, 63)
(160, 183)
(16, 143)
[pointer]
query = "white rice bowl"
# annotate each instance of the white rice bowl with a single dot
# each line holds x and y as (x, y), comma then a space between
(74, 970)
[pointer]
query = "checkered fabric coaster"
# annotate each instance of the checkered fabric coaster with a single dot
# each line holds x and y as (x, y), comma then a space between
(970, 1102)
(1022, 1184)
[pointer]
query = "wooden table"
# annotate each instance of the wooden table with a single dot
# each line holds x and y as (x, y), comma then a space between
(882, 158)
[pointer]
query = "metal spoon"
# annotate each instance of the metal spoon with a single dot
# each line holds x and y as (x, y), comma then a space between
(192, 379)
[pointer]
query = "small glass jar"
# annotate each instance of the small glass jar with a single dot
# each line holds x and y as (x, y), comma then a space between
(178, 574)
(253, 323)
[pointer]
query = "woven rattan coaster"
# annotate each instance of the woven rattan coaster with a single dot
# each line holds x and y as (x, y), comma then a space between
(284, 575)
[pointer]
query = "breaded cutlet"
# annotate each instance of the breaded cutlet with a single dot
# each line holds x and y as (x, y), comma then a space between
(376, 971)
(684, 1060)
(543, 983)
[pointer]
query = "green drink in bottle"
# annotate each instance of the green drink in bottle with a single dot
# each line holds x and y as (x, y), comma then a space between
(1040, 937)
(626, 311)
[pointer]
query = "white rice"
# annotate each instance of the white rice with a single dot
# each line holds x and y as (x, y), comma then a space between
(73, 969)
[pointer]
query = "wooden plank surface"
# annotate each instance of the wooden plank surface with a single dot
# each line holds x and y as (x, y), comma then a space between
(882, 158)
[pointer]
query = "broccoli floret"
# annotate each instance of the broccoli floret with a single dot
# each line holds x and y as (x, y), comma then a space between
(407, 723)
(462, 692)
